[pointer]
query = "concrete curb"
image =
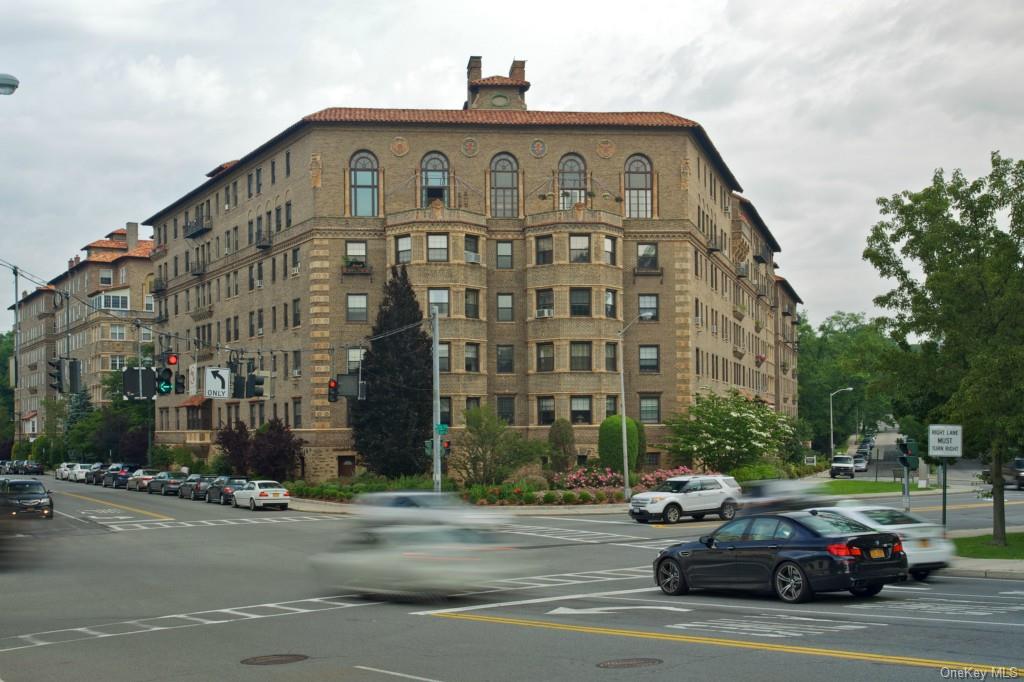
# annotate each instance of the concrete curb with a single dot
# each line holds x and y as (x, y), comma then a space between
(983, 573)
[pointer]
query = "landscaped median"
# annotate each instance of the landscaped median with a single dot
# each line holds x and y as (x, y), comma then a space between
(862, 487)
(981, 547)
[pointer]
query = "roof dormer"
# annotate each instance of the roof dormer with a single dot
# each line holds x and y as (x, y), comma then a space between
(496, 92)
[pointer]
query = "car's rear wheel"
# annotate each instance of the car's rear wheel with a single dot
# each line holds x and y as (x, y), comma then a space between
(252, 504)
(670, 578)
(791, 584)
(728, 511)
(192, 495)
(672, 513)
(234, 502)
(865, 591)
(223, 500)
(920, 575)
(208, 498)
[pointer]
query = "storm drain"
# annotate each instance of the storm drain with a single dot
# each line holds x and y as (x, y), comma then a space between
(274, 659)
(630, 663)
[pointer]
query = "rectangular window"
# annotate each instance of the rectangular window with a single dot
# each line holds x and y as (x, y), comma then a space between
(611, 309)
(610, 248)
(252, 323)
(296, 313)
(472, 404)
(354, 358)
(277, 219)
(472, 248)
(579, 302)
(248, 179)
(580, 356)
(150, 303)
(287, 214)
(545, 250)
(107, 276)
(296, 413)
(355, 254)
(472, 354)
(438, 298)
(284, 315)
(473, 304)
(117, 332)
(403, 249)
(437, 247)
(611, 356)
(356, 310)
(446, 411)
(649, 306)
(503, 255)
(506, 359)
(650, 409)
(117, 362)
(507, 409)
(649, 361)
(545, 410)
(505, 313)
(259, 181)
(295, 258)
(296, 362)
(444, 356)
(647, 256)
(288, 164)
(545, 302)
(579, 248)
(545, 357)
(273, 171)
(611, 405)
(252, 231)
(580, 410)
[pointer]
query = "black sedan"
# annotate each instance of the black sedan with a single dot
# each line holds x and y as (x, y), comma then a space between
(793, 554)
(25, 498)
(166, 483)
(223, 487)
(194, 487)
(94, 474)
(118, 474)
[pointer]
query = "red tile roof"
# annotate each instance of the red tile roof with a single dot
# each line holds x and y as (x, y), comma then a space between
(500, 80)
(193, 401)
(623, 119)
(227, 165)
(143, 250)
(106, 244)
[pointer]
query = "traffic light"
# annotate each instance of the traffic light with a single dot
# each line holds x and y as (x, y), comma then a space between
(254, 385)
(238, 389)
(165, 381)
(332, 391)
(74, 376)
(172, 359)
(446, 446)
(179, 383)
(57, 374)
(908, 461)
(902, 445)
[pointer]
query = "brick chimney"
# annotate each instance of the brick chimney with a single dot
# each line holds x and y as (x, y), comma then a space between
(132, 235)
(71, 263)
(474, 71)
(518, 70)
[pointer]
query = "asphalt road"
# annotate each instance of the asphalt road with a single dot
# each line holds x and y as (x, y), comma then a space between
(125, 586)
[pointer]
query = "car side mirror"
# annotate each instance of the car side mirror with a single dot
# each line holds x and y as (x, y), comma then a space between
(707, 540)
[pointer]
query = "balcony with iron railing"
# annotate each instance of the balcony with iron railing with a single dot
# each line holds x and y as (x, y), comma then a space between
(716, 243)
(743, 270)
(158, 252)
(159, 285)
(263, 240)
(763, 255)
(356, 266)
(197, 226)
(198, 269)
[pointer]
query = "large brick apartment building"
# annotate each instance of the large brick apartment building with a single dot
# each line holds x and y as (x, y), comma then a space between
(539, 234)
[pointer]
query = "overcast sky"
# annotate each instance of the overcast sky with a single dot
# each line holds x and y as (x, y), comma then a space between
(818, 108)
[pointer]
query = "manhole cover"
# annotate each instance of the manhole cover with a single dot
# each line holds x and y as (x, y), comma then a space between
(275, 659)
(630, 663)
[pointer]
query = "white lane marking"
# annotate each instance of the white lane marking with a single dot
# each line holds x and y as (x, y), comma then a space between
(769, 626)
(241, 521)
(389, 672)
(966, 607)
(568, 518)
(916, 589)
(582, 578)
(1013, 592)
(524, 602)
(566, 611)
(70, 516)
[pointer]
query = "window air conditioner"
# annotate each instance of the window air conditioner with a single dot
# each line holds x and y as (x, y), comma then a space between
(714, 329)
(295, 269)
(472, 257)
(296, 373)
(259, 284)
(545, 312)
(259, 331)
(698, 321)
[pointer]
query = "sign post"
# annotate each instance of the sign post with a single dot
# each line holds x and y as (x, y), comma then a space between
(946, 442)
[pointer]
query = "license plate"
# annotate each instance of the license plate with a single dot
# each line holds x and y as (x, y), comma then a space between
(877, 553)
(276, 494)
(925, 542)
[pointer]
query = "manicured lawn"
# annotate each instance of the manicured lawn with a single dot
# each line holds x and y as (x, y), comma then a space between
(846, 486)
(980, 547)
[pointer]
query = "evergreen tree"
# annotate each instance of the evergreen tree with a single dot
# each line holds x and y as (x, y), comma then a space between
(391, 424)
(275, 450)
(79, 405)
(563, 444)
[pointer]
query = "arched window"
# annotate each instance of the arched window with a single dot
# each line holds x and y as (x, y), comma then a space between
(504, 186)
(365, 183)
(572, 181)
(434, 181)
(638, 187)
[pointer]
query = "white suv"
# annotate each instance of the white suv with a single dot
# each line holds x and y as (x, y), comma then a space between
(680, 496)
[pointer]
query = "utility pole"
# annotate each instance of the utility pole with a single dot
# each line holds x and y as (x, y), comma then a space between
(436, 360)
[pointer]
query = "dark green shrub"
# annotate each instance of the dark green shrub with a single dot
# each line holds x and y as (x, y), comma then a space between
(585, 497)
(550, 497)
(609, 443)
(568, 497)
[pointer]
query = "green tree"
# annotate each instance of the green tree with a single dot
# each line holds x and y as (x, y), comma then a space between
(7, 416)
(275, 450)
(725, 432)
(79, 405)
(390, 425)
(487, 452)
(609, 442)
(955, 251)
(235, 443)
(562, 442)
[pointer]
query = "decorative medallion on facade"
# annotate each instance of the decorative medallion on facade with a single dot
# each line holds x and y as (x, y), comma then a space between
(470, 147)
(605, 149)
(399, 146)
(538, 148)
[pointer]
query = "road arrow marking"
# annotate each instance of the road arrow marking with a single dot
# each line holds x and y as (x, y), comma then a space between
(564, 611)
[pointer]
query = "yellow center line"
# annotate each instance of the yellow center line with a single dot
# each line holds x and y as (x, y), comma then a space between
(733, 643)
(161, 517)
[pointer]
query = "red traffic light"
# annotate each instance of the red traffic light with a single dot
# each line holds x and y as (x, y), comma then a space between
(333, 383)
(172, 359)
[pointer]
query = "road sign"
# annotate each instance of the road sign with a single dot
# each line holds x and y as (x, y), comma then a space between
(945, 440)
(442, 429)
(130, 381)
(217, 382)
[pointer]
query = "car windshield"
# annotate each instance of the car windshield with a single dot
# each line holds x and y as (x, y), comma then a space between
(23, 487)
(237, 481)
(267, 485)
(670, 486)
(842, 460)
(833, 524)
(1019, 462)
(891, 517)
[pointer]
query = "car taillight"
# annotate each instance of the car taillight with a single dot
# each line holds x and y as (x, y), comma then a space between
(286, 494)
(228, 489)
(263, 493)
(840, 549)
(898, 547)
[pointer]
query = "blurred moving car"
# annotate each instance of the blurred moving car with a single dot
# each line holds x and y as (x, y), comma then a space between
(140, 478)
(924, 542)
(1013, 473)
(422, 506)
(223, 487)
(261, 494)
(860, 463)
(31, 468)
(24, 498)
(166, 483)
(793, 554)
(842, 465)
(194, 487)
(779, 495)
(694, 496)
(436, 559)
(61, 472)
(117, 475)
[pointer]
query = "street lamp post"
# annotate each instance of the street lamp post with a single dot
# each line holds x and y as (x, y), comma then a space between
(8, 84)
(831, 434)
(622, 398)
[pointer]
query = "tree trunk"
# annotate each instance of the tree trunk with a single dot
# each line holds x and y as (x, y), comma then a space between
(998, 498)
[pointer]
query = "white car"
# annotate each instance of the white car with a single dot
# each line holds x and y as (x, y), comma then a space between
(259, 494)
(924, 542)
(76, 472)
(860, 463)
(60, 471)
(679, 496)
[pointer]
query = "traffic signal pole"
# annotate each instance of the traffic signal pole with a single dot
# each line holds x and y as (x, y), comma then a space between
(436, 361)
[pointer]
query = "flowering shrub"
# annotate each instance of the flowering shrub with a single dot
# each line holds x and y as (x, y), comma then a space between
(656, 477)
(585, 477)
